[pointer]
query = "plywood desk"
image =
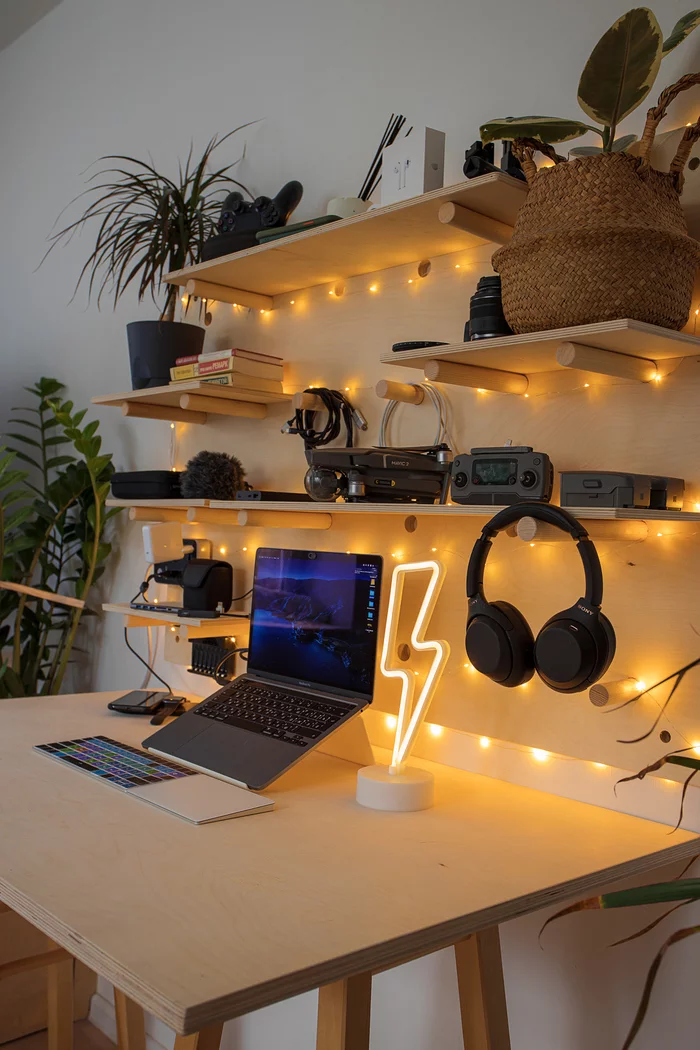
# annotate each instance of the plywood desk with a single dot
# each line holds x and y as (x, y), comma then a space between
(201, 924)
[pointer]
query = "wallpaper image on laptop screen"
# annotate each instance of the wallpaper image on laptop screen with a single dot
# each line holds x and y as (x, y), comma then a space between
(314, 617)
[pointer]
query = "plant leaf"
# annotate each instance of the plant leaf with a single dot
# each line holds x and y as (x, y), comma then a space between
(622, 143)
(679, 935)
(549, 129)
(683, 28)
(585, 151)
(622, 68)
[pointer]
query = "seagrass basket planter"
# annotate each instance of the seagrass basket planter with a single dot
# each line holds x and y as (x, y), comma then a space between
(600, 238)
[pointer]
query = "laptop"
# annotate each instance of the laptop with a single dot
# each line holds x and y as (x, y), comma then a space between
(311, 665)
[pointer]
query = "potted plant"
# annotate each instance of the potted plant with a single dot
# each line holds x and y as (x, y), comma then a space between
(603, 235)
(53, 538)
(148, 224)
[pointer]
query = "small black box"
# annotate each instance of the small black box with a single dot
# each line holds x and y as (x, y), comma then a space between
(146, 484)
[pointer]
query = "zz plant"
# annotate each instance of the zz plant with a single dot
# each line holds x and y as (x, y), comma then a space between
(616, 79)
(54, 520)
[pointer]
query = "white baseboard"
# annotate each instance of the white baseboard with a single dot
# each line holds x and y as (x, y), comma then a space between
(103, 1016)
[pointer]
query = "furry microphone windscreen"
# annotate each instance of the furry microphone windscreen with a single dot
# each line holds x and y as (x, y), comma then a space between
(212, 475)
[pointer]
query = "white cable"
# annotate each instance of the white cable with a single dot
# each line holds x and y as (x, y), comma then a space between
(442, 409)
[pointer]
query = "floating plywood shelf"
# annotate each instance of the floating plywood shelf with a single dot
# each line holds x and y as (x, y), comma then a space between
(192, 402)
(189, 626)
(294, 515)
(624, 349)
(391, 236)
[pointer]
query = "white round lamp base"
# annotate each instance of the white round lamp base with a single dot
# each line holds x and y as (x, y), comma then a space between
(403, 792)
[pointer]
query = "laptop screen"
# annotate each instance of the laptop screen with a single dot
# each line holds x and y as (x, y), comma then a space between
(314, 618)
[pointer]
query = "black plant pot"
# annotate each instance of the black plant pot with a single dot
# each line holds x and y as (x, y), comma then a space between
(154, 346)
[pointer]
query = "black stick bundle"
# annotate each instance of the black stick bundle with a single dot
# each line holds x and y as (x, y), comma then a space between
(374, 175)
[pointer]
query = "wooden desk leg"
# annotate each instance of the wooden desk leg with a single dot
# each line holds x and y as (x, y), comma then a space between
(60, 1005)
(131, 1032)
(482, 995)
(207, 1039)
(344, 1014)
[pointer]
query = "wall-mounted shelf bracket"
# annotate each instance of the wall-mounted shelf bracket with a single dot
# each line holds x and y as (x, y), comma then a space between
(462, 218)
(237, 296)
(606, 362)
(475, 376)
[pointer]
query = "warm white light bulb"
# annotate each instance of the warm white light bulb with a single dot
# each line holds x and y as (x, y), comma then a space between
(435, 730)
(484, 742)
(640, 685)
(390, 721)
(457, 266)
(539, 755)
(586, 384)
(244, 548)
(172, 426)
(373, 288)
(600, 765)
(292, 302)
(410, 280)
(222, 550)
(696, 747)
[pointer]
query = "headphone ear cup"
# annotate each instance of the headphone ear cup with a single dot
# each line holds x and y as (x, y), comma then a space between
(571, 651)
(500, 644)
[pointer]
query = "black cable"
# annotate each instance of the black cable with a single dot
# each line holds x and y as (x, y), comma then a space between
(242, 596)
(143, 588)
(144, 662)
(340, 412)
(229, 654)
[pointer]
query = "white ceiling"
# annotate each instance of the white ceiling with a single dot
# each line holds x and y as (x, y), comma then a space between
(16, 16)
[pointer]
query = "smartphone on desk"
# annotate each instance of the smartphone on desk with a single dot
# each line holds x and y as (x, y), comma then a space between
(139, 702)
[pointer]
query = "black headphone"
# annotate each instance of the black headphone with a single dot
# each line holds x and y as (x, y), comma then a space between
(573, 649)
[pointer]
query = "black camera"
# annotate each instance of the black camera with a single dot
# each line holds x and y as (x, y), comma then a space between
(378, 475)
(501, 476)
(240, 220)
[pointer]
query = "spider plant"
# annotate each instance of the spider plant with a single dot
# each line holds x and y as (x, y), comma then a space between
(616, 79)
(147, 223)
(54, 521)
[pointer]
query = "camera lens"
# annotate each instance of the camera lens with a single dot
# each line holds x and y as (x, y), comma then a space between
(322, 484)
(486, 318)
(312, 555)
(460, 480)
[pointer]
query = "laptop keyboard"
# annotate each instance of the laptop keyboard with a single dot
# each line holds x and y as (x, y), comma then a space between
(295, 718)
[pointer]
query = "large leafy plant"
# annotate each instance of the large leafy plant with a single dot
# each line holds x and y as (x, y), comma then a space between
(616, 79)
(147, 223)
(53, 537)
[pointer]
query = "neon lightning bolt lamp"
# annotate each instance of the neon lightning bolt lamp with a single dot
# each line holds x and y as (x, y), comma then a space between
(398, 787)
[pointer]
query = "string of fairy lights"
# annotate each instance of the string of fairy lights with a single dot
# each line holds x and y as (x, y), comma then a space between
(373, 287)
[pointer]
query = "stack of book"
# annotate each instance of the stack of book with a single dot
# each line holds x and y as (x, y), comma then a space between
(241, 369)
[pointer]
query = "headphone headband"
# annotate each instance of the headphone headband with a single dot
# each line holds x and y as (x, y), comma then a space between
(556, 516)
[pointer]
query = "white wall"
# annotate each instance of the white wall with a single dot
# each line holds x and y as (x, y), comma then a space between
(145, 76)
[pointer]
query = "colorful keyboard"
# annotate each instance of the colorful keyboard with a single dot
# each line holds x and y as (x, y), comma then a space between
(119, 764)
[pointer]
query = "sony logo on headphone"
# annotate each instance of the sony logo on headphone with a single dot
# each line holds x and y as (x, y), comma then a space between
(584, 609)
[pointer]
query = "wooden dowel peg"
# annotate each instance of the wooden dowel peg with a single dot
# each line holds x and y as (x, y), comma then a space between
(410, 393)
(307, 403)
(222, 294)
(219, 406)
(141, 410)
(158, 514)
(605, 362)
(615, 691)
(284, 519)
(471, 222)
(475, 376)
(530, 529)
(212, 516)
(47, 596)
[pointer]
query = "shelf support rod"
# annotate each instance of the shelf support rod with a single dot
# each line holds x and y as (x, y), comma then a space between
(143, 410)
(530, 530)
(451, 214)
(307, 403)
(221, 406)
(158, 514)
(475, 376)
(285, 519)
(410, 393)
(605, 362)
(221, 294)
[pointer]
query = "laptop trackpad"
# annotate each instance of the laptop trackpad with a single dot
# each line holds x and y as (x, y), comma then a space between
(250, 758)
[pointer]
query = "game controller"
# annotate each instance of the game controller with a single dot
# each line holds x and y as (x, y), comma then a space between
(240, 220)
